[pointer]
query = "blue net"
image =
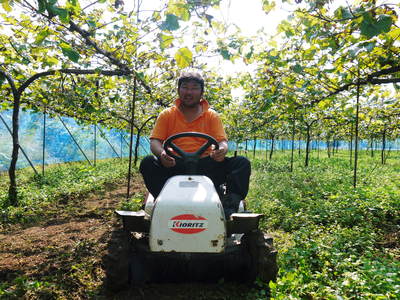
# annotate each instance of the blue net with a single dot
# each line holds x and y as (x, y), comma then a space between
(59, 145)
(314, 145)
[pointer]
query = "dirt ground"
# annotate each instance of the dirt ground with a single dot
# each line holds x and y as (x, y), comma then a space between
(61, 258)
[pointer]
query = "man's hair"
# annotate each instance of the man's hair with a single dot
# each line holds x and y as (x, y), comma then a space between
(191, 76)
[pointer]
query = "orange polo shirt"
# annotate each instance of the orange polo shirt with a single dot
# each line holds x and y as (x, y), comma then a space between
(172, 121)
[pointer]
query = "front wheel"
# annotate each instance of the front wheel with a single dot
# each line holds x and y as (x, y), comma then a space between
(116, 261)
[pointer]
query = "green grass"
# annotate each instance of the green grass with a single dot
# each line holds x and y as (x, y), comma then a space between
(62, 185)
(334, 241)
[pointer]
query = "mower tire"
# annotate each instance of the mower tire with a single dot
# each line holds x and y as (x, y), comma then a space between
(263, 255)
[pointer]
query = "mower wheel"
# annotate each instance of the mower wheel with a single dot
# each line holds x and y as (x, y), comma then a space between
(263, 256)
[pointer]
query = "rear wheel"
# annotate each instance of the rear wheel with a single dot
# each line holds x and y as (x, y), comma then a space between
(263, 255)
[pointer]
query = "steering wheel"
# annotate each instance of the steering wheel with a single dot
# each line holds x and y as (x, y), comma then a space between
(190, 159)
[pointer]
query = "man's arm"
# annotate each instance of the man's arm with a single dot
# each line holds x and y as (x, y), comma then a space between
(156, 146)
(219, 155)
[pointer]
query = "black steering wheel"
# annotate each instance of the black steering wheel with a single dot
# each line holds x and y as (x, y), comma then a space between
(190, 159)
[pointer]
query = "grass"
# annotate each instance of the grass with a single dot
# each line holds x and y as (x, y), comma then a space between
(62, 184)
(335, 241)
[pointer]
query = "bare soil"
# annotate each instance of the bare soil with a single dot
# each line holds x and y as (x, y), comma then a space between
(61, 258)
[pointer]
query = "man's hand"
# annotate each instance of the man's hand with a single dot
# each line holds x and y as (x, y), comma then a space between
(156, 146)
(166, 160)
(219, 155)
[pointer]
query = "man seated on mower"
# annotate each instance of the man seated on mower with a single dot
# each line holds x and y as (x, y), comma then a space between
(191, 113)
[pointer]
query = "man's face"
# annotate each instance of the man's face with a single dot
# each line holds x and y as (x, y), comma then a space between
(190, 93)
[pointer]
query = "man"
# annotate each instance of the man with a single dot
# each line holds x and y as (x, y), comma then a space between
(192, 113)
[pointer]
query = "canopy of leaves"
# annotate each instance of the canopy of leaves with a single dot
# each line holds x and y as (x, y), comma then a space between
(308, 71)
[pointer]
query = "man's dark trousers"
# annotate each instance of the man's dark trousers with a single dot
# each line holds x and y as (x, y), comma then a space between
(234, 171)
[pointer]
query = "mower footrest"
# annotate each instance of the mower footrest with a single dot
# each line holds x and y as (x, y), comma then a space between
(134, 221)
(243, 222)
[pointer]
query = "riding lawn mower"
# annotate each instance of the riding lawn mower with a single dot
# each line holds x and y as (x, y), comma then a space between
(184, 236)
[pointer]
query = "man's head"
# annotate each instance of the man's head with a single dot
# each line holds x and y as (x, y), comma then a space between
(191, 77)
(190, 89)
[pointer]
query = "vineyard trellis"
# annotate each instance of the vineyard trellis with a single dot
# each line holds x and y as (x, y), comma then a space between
(315, 104)
(83, 60)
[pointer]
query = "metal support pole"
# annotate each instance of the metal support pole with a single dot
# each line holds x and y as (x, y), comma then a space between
(76, 143)
(292, 150)
(22, 150)
(121, 143)
(356, 142)
(95, 145)
(44, 141)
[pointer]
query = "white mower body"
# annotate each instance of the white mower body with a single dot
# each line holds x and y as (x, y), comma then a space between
(187, 217)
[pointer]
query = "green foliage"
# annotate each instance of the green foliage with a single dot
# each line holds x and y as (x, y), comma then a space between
(268, 5)
(165, 40)
(69, 52)
(183, 57)
(6, 5)
(371, 27)
(134, 203)
(78, 272)
(53, 10)
(332, 261)
(171, 23)
(62, 185)
(24, 286)
(225, 53)
(50, 35)
(333, 240)
(41, 36)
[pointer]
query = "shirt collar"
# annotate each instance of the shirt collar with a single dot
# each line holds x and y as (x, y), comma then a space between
(203, 102)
